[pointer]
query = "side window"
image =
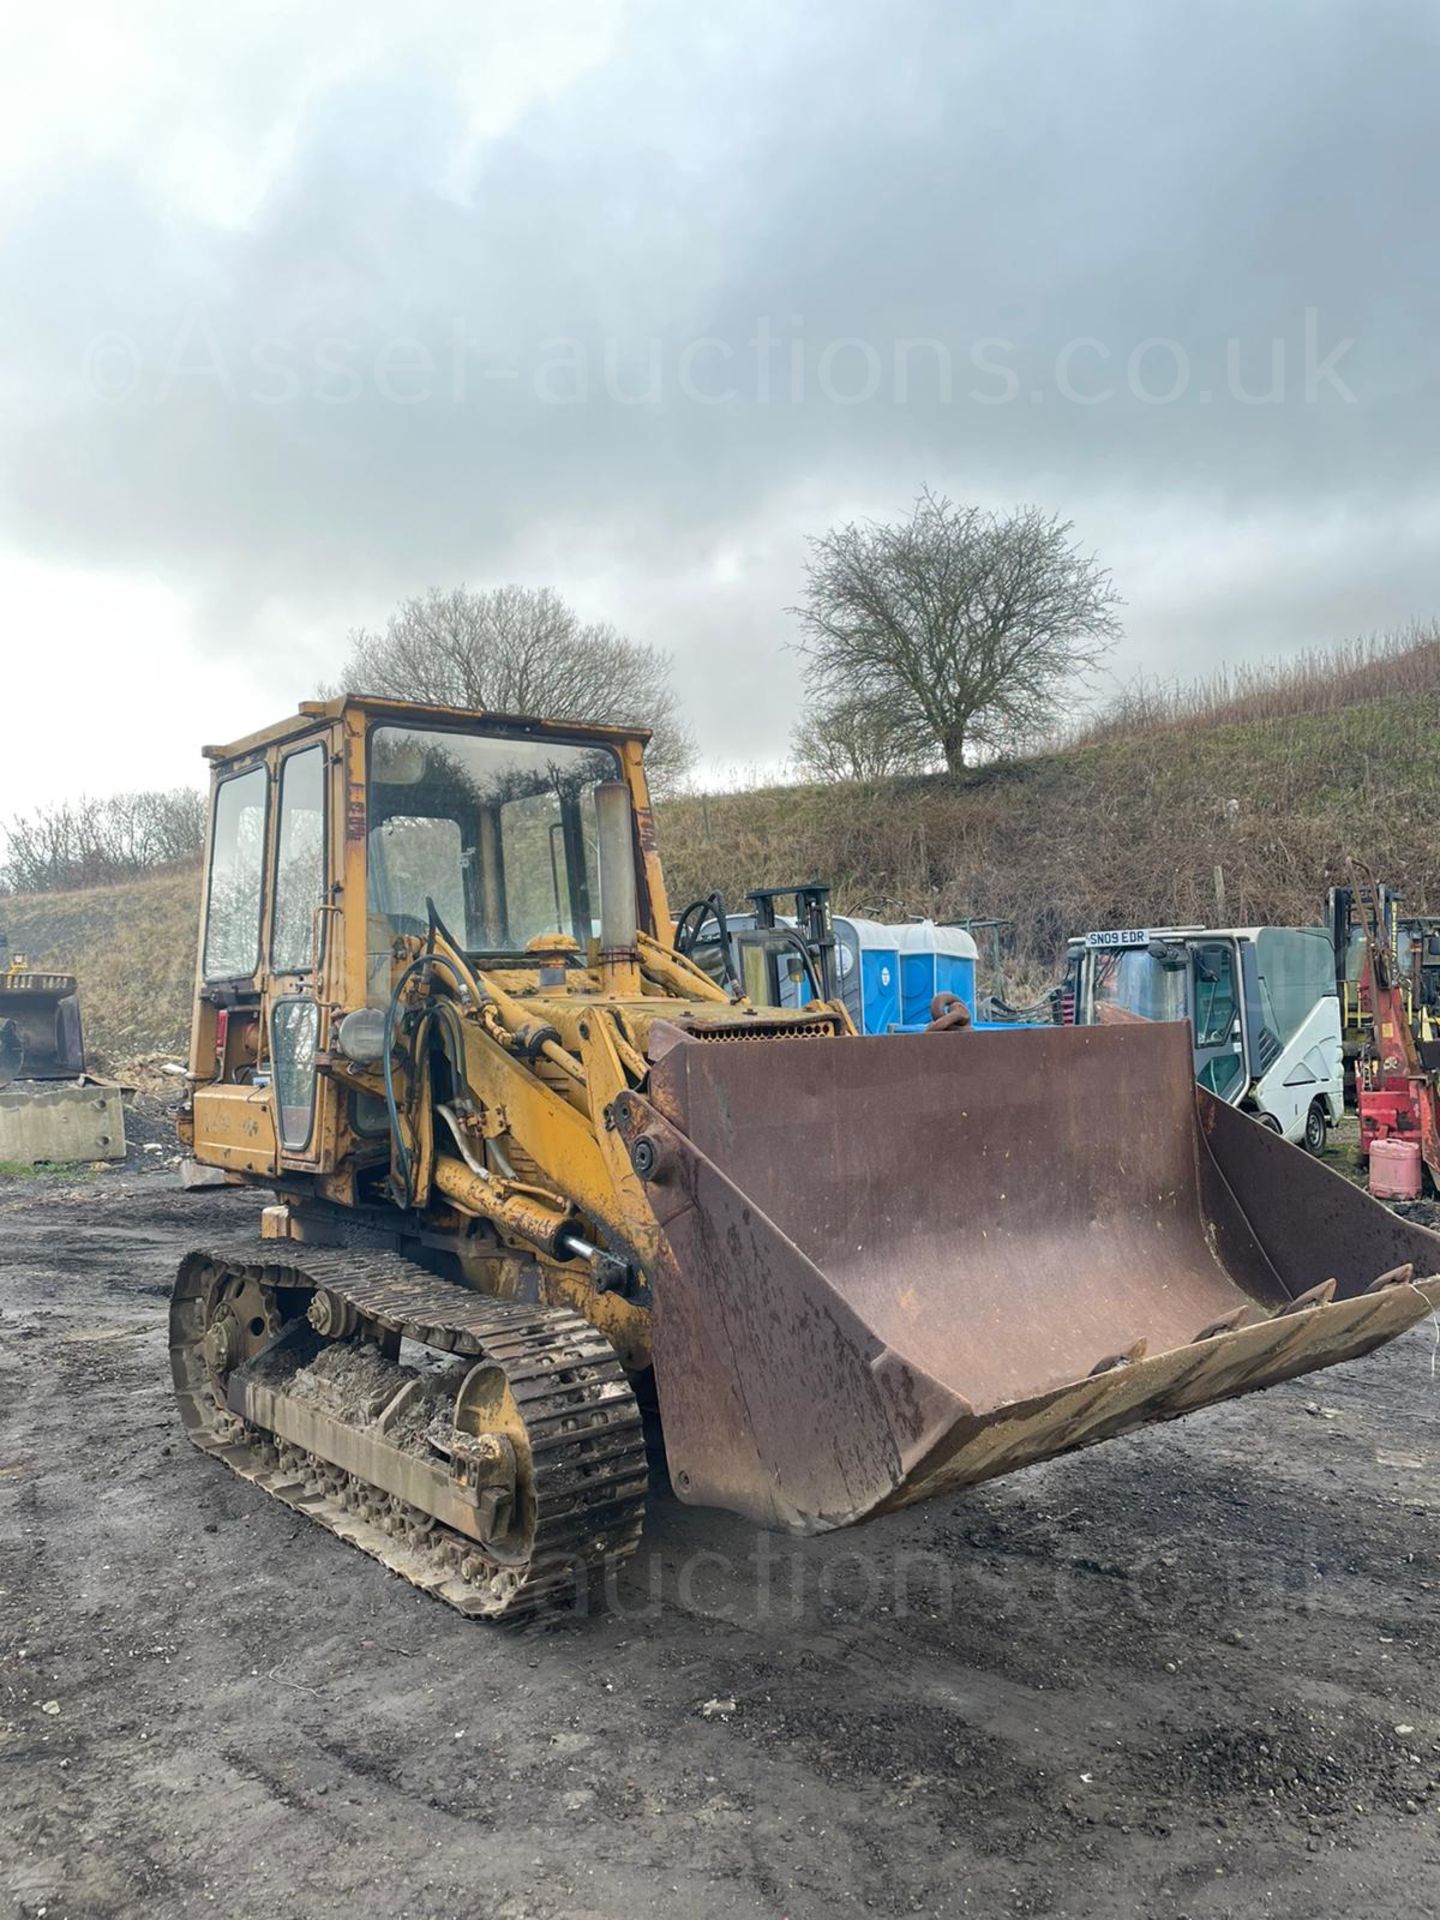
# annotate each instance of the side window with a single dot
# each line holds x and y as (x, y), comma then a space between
(1215, 1001)
(294, 1025)
(299, 861)
(537, 887)
(237, 859)
(1297, 971)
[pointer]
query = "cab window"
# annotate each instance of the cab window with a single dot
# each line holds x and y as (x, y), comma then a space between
(1297, 972)
(294, 1029)
(499, 831)
(1132, 982)
(1216, 1006)
(237, 860)
(299, 861)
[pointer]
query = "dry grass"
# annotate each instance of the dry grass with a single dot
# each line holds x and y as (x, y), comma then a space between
(1123, 830)
(1319, 680)
(1119, 832)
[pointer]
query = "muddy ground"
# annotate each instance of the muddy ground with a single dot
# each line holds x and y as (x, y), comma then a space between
(1189, 1673)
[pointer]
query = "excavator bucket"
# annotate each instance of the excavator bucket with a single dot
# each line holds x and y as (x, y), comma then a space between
(894, 1266)
(39, 1026)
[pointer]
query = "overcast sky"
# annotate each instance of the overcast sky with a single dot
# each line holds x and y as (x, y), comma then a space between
(305, 309)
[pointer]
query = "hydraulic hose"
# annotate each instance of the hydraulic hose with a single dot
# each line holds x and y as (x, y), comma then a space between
(691, 924)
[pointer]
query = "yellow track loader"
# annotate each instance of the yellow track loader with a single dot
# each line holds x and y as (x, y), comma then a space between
(530, 1165)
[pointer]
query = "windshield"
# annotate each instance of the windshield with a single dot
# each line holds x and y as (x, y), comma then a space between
(1132, 984)
(498, 831)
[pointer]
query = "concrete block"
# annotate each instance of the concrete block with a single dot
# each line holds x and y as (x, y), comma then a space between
(193, 1174)
(61, 1125)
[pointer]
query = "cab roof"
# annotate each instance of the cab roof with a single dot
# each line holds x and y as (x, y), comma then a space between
(415, 713)
(1104, 940)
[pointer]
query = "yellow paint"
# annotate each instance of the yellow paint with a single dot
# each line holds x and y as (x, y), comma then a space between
(235, 1128)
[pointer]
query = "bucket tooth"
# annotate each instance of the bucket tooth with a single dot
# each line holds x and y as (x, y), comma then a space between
(1227, 1323)
(1320, 1296)
(1397, 1277)
(1126, 1359)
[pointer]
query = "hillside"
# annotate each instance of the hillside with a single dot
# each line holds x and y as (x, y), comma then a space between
(1116, 833)
(1120, 832)
(131, 946)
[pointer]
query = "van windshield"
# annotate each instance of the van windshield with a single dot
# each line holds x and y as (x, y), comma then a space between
(498, 830)
(1131, 984)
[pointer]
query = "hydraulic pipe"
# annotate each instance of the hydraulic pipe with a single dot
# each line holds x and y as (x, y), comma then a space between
(522, 1214)
(678, 974)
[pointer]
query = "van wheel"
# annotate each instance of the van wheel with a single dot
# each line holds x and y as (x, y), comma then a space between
(1316, 1127)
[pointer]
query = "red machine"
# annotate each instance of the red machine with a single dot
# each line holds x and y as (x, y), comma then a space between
(1395, 1077)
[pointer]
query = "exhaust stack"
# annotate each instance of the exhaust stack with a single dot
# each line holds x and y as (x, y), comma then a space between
(619, 908)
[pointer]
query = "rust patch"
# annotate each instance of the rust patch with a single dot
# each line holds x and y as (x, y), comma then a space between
(645, 830)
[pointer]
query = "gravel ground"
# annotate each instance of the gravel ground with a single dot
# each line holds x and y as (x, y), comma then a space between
(1190, 1672)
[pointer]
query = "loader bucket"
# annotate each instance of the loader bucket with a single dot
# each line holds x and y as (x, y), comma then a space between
(897, 1265)
(40, 1018)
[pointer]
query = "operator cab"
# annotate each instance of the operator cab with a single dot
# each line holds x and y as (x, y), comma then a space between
(1261, 1002)
(334, 835)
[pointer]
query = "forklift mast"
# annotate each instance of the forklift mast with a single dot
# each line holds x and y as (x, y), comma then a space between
(812, 915)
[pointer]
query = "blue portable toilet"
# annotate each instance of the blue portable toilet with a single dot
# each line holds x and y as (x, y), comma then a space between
(887, 976)
(933, 960)
(867, 966)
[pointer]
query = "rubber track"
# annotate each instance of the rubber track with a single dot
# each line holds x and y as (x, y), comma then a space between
(585, 1429)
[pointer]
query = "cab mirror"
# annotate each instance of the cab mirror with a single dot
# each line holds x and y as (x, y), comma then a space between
(1169, 953)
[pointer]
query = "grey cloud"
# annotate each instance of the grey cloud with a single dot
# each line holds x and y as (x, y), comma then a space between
(373, 386)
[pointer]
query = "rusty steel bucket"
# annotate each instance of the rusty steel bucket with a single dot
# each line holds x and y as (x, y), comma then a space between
(896, 1265)
(39, 1027)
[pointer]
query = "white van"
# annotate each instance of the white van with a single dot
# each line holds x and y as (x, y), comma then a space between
(1261, 1001)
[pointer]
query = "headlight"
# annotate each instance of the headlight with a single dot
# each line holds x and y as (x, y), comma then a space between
(360, 1036)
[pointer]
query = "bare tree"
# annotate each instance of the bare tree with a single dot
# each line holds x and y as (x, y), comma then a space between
(85, 843)
(956, 630)
(851, 740)
(523, 650)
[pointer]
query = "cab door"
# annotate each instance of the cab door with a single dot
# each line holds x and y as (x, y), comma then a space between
(300, 954)
(232, 1120)
(1219, 1037)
